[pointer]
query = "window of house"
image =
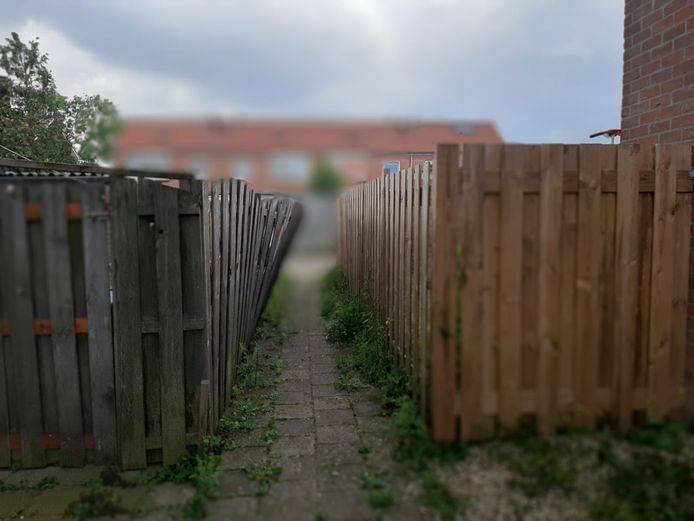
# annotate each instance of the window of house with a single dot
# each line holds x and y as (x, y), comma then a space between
(242, 168)
(392, 167)
(290, 166)
(148, 161)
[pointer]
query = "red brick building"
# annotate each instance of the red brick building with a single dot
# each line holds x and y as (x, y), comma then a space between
(279, 156)
(658, 87)
(658, 95)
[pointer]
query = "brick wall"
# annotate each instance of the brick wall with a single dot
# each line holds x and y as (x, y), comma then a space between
(658, 88)
(658, 97)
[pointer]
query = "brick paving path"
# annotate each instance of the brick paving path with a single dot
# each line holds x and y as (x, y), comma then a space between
(321, 431)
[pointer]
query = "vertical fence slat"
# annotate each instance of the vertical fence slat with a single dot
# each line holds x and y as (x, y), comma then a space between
(551, 180)
(61, 310)
(626, 280)
(660, 338)
(511, 226)
(470, 275)
(95, 234)
(130, 413)
(168, 259)
(587, 282)
(422, 305)
(442, 325)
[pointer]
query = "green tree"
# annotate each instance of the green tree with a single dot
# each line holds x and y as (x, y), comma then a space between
(38, 122)
(325, 179)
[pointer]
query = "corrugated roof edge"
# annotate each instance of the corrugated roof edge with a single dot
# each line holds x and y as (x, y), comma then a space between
(82, 170)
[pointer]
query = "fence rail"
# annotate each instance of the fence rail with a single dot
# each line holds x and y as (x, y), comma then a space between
(123, 304)
(557, 278)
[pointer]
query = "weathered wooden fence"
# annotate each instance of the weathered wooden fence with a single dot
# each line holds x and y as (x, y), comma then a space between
(558, 282)
(123, 304)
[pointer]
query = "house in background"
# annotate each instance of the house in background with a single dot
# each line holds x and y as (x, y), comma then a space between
(279, 156)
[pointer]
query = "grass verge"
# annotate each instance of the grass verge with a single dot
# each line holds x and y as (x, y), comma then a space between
(351, 322)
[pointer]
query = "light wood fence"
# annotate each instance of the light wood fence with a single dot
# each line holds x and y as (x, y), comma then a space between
(123, 306)
(557, 279)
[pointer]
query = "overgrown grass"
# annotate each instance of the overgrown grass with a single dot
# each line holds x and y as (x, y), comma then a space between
(351, 321)
(651, 475)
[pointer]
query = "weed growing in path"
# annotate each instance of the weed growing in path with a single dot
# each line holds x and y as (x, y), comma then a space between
(381, 499)
(274, 323)
(265, 474)
(43, 484)
(97, 501)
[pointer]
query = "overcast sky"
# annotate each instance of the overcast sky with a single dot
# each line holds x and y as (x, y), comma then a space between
(543, 70)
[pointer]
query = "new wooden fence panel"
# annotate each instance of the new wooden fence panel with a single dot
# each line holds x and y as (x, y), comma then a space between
(557, 289)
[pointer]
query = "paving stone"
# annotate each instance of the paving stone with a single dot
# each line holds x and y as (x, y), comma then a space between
(296, 374)
(336, 434)
(235, 509)
(286, 411)
(252, 438)
(294, 386)
(337, 454)
(324, 379)
(339, 477)
(234, 483)
(323, 359)
(334, 417)
(337, 506)
(297, 467)
(289, 446)
(331, 402)
(372, 424)
(170, 494)
(323, 368)
(300, 508)
(242, 456)
(322, 391)
(295, 426)
(367, 408)
(293, 397)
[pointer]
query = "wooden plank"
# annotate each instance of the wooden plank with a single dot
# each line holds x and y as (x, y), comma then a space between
(551, 195)
(587, 282)
(626, 281)
(21, 316)
(660, 334)
(232, 289)
(443, 354)
(7, 390)
(680, 286)
(126, 317)
(511, 226)
(415, 188)
(471, 279)
(216, 295)
(168, 258)
(407, 273)
(423, 304)
(149, 307)
(224, 303)
(206, 224)
(98, 284)
(62, 322)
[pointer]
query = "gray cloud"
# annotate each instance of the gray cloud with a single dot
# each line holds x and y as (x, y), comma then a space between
(544, 70)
